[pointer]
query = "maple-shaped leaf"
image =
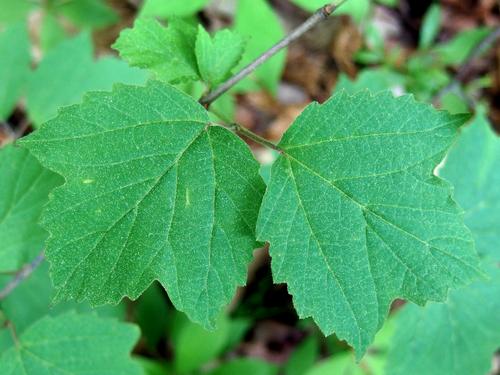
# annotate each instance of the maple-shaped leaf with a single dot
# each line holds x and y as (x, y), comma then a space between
(152, 192)
(355, 216)
(217, 56)
(473, 166)
(24, 188)
(458, 337)
(169, 52)
(72, 344)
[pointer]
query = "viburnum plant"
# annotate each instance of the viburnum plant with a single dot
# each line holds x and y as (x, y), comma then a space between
(149, 182)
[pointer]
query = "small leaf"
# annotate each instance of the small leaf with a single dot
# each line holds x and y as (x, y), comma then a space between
(73, 344)
(473, 166)
(24, 188)
(168, 52)
(458, 337)
(14, 66)
(256, 20)
(456, 50)
(195, 346)
(172, 8)
(218, 56)
(154, 192)
(304, 357)
(355, 217)
(430, 26)
(49, 89)
(341, 363)
(373, 79)
(87, 13)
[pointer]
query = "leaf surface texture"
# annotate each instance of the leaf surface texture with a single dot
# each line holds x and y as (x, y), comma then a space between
(355, 217)
(153, 192)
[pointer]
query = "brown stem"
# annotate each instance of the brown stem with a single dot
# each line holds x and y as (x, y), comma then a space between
(320, 15)
(20, 276)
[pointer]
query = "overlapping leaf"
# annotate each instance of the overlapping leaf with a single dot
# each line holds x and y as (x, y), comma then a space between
(72, 344)
(355, 217)
(59, 81)
(152, 192)
(24, 188)
(458, 337)
(473, 167)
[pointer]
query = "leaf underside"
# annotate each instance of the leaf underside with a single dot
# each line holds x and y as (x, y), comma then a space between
(152, 192)
(355, 217)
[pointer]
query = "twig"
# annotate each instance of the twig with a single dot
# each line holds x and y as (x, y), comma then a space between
(464, 70)
(320, 15)
(23, 274)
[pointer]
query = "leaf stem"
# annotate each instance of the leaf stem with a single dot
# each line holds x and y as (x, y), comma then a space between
(21, 275)
(320, 15)
(241, 130)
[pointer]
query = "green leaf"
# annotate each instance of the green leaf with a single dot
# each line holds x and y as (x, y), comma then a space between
(153, 368)
(87, 13)
(374, 79)
(14, 11)
(71, 344)
(246, 366)
(59, 81)
(342, 363)
(304, 357)
(454, 103)
(355, 217)
(14, 66)
(195, 346)
(473, 166)
(169, 8)
(51, 32)
(153, 192)
(458, 337)
(455, 51)
(24, 188)
(430, 26)
(256, 20)
(151, 313)
(31, 301)
(168, 52)
(218, 56)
